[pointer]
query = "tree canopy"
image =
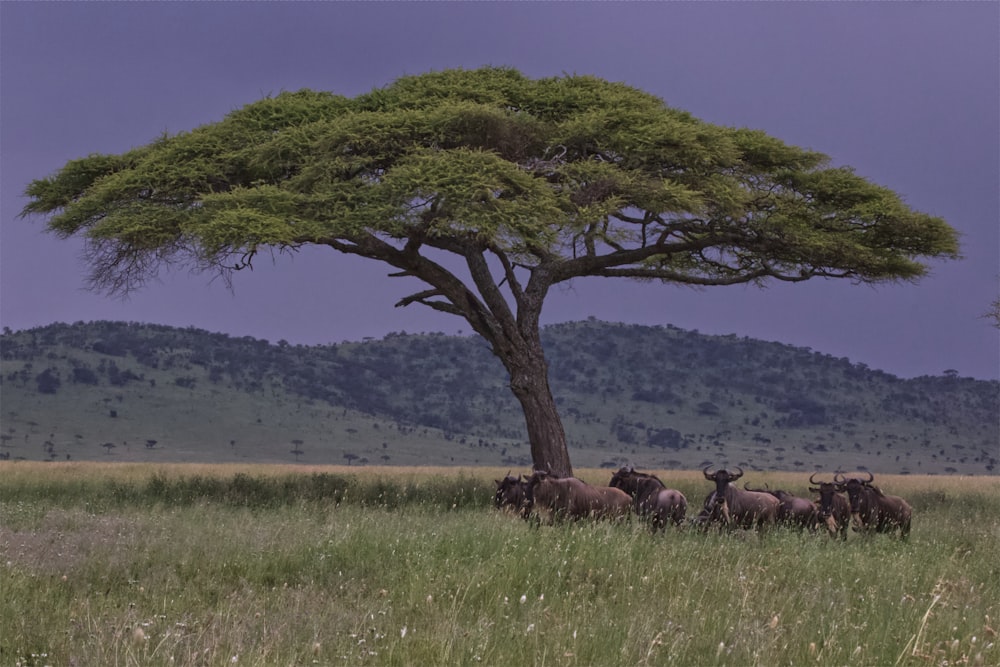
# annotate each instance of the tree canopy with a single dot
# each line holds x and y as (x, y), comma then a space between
(529, 182)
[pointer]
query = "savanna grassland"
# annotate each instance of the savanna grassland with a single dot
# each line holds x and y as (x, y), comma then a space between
(118, 564)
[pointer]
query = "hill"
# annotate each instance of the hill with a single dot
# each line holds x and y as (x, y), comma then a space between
(656, 397)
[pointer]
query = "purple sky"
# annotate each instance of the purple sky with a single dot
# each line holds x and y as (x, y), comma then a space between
(906, 93)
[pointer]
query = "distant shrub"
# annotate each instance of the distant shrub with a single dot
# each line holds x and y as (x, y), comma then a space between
(48, 382)
(84, 376)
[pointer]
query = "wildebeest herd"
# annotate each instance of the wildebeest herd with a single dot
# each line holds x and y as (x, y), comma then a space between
(544, 497)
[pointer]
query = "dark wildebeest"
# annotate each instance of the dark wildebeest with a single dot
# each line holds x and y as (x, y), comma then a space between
(741, 508)
(714, 510)
(834, 508)
(572, 498)
(792, 511)
(511, 495)
(651, 497)
(873, 511)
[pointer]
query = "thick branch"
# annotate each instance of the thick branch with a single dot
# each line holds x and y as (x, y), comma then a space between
(458, 298)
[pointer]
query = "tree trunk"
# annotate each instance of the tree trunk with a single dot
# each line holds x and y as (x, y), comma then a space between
(530, 383)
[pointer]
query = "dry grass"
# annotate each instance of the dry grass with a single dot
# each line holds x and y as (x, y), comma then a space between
(418, 582)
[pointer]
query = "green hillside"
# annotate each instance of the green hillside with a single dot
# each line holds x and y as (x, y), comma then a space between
(656, 397)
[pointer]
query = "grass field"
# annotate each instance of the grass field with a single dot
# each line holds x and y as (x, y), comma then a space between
(123, 564)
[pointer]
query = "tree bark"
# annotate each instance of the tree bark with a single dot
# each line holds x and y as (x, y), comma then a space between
(530, 383)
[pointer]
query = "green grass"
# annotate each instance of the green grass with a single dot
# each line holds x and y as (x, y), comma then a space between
(133, 565)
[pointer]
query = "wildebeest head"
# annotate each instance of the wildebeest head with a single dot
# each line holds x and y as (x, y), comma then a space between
(826, 491)
(510, 492)
(858, 491)
(623, 479)
(722, 478)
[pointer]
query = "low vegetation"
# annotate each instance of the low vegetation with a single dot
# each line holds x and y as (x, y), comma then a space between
(264, 565)
(651, 396)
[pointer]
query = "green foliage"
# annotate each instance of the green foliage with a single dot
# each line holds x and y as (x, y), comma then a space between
(545, 170)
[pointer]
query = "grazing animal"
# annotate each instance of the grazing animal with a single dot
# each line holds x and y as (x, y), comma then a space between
(651, 497)
(874, 511)
(834, 508)
(792, 510)
(571, 498)
(714, 511)
(512, 495)
(742, 508)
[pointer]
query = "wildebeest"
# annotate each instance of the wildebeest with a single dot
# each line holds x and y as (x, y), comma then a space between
(792, 510)
(873, 510)
(834, 508)
(651, 497)
(713, 511)
(572, 498)
(741, 508)
(511, 495)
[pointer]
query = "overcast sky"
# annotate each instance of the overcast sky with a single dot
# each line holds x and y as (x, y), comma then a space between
(907, 93)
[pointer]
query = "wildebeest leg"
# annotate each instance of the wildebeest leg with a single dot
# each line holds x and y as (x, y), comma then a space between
(832, 527)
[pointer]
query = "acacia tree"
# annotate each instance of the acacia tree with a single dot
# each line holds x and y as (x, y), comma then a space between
(526, 183)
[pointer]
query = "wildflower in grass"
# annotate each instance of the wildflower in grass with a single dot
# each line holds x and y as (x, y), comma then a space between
(402, 633)
(524, 598)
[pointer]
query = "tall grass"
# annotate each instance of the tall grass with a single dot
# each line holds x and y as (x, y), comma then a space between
(211, 566)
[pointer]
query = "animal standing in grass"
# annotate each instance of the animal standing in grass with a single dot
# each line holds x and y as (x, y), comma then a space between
(713, 512)
(874, 511)
(556, 498)
(792, 511)
(512, 495)
(740, 508)
(651, 497)
(834, 508)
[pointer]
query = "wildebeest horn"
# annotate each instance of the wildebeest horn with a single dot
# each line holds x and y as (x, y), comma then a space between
(739, 474)
(871, 477)
(839, 478)
(707, 475)
(811, 480)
